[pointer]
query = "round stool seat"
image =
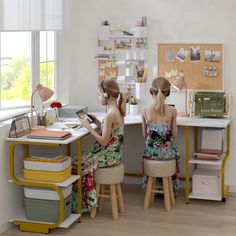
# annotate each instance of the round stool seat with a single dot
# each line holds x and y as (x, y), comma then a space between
(155, 168)
(109, 175)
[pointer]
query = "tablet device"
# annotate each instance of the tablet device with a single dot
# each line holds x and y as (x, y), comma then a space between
(82, 115)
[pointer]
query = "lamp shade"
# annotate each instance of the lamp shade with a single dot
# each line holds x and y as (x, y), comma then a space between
(44, 92)
(179, 83)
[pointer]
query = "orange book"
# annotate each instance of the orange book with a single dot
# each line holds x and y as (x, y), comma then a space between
(49, 134)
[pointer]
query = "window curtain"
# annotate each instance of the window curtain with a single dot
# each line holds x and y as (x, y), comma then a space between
(27, 15)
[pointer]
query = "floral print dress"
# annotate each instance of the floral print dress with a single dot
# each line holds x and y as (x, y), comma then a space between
(98, 156)
(160, 145)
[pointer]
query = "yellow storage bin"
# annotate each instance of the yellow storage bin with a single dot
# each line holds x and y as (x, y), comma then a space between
(47, 176)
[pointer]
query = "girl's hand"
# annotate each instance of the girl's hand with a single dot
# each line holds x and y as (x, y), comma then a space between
(85, 123)
(94, 120)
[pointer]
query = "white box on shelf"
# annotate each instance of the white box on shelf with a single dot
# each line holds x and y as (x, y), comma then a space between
(212, 139)
(206, 181)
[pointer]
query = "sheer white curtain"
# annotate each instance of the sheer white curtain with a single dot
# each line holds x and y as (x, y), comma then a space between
(30, 15)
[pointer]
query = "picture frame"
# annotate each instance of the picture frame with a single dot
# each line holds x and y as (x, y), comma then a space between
(20, 126)
(123, 44)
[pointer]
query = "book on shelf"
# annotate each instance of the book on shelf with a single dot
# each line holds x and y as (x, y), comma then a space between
(206, 158)
(207, 154)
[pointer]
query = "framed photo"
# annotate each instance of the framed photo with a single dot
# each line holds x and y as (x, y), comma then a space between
(123, 43)
(20, 126)
(195, 53)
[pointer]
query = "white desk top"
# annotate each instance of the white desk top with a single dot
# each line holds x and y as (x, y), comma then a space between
(129, 120)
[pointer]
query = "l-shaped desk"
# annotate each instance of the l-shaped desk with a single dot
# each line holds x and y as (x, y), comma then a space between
(183, 122)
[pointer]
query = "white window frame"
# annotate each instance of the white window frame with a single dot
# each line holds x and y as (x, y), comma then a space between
(35, 67)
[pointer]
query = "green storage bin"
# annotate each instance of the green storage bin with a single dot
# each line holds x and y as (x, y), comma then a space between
(209, 104)
(46, 210)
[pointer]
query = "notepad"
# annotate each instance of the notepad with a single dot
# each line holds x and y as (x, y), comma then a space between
(49, 134)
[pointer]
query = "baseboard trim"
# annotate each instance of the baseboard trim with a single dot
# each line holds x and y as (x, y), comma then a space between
(4, 226)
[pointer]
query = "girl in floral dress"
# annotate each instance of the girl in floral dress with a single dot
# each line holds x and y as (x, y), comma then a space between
(107, 150)
(160, 130)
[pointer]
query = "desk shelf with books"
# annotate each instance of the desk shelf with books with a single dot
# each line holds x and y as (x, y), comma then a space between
(63, 208)
(209, 165)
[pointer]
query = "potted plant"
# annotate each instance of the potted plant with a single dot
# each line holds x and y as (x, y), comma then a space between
(133, 105)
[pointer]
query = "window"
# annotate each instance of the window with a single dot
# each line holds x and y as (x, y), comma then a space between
(26, 59)
(47, 59)
(15, 69)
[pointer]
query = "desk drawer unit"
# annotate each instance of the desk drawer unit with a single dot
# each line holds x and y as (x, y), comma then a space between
(206, 181)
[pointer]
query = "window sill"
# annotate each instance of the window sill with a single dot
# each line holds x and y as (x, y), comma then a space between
(8, 114)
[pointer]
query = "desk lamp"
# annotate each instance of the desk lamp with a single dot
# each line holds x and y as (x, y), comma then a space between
(179, 84)
(44, 93)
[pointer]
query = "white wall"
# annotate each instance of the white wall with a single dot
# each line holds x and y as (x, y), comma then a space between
(202, 21)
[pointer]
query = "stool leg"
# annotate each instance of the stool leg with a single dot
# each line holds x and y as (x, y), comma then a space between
(120, 198)
(153, 188)
(101, 199)
(166, 193)
(172, 196)
(114, 208)
(93, 212)
(148, 193)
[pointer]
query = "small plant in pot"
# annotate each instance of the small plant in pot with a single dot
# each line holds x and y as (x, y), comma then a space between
(133, 105)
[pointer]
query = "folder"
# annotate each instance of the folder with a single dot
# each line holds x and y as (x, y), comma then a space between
(49, 134)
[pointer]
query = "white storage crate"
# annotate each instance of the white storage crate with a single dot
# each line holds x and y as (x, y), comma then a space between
(206, 181)
(47, 166)
(46, 193)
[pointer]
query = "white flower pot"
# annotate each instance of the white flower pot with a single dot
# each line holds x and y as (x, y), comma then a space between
(133, 109)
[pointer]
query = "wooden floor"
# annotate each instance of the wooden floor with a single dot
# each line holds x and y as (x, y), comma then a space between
(206, 218)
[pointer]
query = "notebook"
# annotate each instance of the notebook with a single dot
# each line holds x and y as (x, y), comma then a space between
(49, 134)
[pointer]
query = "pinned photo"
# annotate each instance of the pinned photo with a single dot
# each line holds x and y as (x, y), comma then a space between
(195, 53)
(182, 54)
(170, 55)
(212, 55)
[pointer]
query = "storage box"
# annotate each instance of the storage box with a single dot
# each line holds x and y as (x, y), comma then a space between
(47, 176)
(70, 111)
(47, 166)
(46, 193)
(206, 181)
(46, 210)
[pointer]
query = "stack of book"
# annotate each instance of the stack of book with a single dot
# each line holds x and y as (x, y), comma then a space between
(207, 154)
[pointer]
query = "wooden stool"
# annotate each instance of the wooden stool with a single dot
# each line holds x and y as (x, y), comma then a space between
(159, 169)
(112, 177)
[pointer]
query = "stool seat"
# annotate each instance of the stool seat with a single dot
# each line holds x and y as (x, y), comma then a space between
(109, 175)
(112, 178)
(161, 169)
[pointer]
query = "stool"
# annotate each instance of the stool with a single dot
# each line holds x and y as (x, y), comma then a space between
(159, 169)
(112, 177)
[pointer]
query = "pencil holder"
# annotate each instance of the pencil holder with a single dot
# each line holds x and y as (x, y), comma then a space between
(41, 120)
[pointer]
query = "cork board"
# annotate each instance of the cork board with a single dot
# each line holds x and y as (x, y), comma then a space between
(202, 66)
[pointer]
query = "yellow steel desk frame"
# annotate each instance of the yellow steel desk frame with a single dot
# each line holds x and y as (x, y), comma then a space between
(44, 227)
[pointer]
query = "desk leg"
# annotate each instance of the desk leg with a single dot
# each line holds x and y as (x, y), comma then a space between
(186, 165)
(79, 193)
(225, 189)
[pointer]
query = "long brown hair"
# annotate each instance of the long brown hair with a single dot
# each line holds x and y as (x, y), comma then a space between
(160, 88)
(111, 87)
